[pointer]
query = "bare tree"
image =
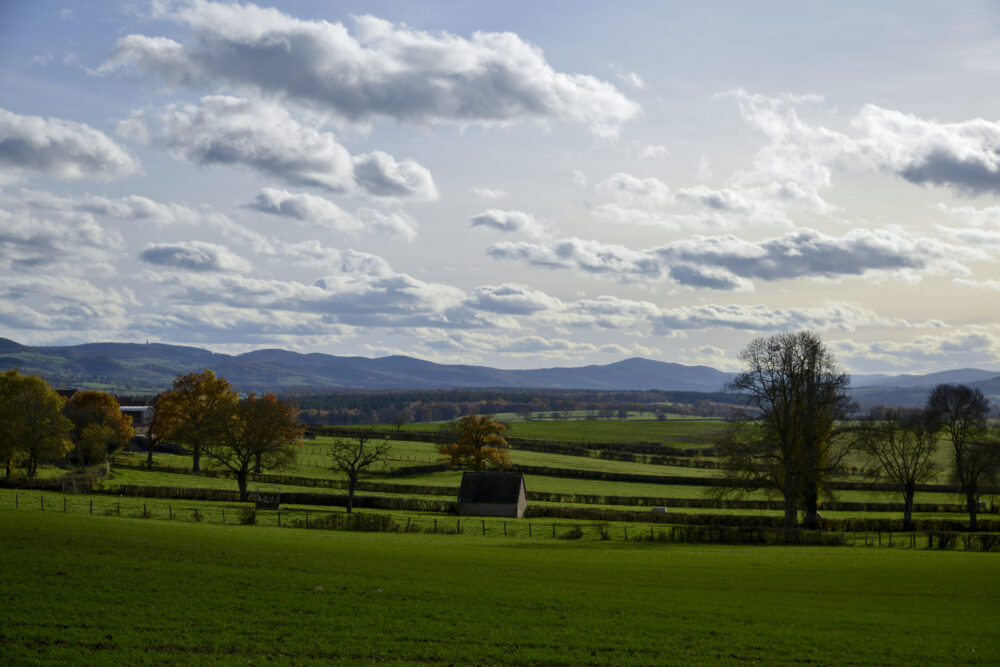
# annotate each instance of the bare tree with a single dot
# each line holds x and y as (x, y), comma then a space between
(355, 456)
(961, 412)
(900, 445)
(790, 447)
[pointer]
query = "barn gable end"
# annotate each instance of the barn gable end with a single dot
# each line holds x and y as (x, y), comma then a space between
(492, 494)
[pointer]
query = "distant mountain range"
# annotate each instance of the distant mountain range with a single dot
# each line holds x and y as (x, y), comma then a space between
(125, 367)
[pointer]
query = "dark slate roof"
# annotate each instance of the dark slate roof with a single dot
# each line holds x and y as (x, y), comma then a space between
(490, 487)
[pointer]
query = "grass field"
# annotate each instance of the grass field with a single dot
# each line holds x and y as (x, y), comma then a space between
(82, 590)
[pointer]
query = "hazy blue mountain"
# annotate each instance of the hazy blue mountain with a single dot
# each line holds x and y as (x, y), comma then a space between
(151, 367)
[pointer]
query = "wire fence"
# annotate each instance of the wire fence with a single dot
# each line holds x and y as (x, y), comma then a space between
(235, 514)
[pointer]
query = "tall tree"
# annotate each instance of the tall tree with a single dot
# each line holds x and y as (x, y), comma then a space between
(480, 444)
(355, 456)
(99, 426)
(31, 421)
(195, 411)
(961, 412)
(788, 443)
(258, 433)
(900, 445)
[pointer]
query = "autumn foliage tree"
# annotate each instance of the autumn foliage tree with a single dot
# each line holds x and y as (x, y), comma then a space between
(480, 445)
(195, 411)
(99, 426)
(258, 433)
(33, 429)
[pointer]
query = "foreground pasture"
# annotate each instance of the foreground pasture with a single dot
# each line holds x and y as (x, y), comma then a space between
(99, 590)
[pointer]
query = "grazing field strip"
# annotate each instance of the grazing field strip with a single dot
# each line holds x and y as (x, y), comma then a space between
(95, 590)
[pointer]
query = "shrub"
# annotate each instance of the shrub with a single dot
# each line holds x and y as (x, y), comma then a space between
(603, 529)
(378, 523)
(573, 533)
(248, 517)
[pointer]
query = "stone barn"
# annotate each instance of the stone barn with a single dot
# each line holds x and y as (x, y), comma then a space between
(492, 494)
(141, 415)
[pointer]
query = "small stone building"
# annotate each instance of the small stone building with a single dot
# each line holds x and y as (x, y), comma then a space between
(492, 494)
(142, 415)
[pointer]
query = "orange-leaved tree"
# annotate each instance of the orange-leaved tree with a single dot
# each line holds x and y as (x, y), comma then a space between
(480, 445)
(99, 426)
(195, 411)
(260, 433)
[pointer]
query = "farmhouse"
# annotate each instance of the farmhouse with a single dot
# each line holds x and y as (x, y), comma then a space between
(492, 494)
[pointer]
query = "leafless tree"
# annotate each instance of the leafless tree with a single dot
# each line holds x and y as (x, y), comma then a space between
(355, 455)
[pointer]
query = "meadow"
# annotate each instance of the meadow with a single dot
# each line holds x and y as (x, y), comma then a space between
(107, 590)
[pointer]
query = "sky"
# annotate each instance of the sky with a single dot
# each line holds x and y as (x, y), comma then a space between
(515, 184)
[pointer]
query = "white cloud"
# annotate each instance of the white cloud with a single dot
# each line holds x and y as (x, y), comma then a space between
(265, 137)
(970, 345)
(489, 193)
(194, 256)
(963, 155)
(323, 213)
(510, 221)
(60, 148)
(729, 263)
(511, 299)
(382, 69)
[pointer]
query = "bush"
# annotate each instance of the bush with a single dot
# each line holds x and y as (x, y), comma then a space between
(573, 533)
(248, 517)
(603, 529)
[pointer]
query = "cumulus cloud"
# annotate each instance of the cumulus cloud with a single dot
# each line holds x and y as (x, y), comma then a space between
(29, 242)
(194, 256)
(510, 221)
(60, 148)
(964, 155)
(360, 290)
(382, 69)
(323, 213)
(972, 345)
(730, 263)
(511, 299)
(265, 137)
(62, 303)
(648, 201)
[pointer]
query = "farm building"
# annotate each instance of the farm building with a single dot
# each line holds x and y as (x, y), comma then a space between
(141, 415)
(492, 494)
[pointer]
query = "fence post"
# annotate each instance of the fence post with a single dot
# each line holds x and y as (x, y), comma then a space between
(484, 526)
(650, 533)
(64, 504)
(91, 505)
(307, 518)
(529, 529)
(279, 518)
(42, 498)
(407, 524)
(553, 530)
(626, 533)
(223, 515)
(118, 508)
(505, 529)
(435, 524)
(458, 526)
(171, 508)
(16, 501)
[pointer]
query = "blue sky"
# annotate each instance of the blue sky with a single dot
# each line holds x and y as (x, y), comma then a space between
(514, 184)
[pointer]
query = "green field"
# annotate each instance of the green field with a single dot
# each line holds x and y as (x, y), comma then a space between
(98, 590)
